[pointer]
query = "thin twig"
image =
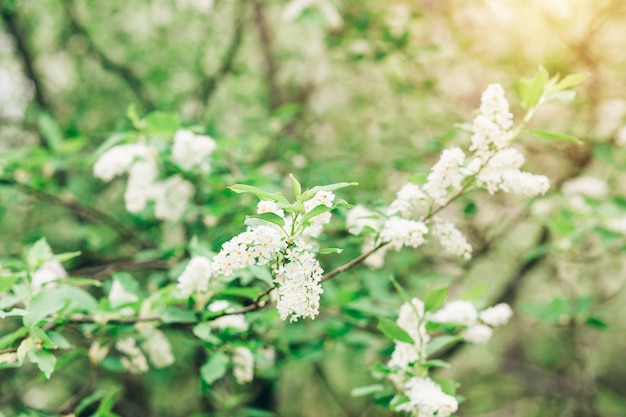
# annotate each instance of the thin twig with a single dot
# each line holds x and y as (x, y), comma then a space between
(124, 72)
(83, 212)
(210, 84)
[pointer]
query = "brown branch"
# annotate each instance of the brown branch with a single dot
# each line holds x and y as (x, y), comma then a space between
(124, 72)
(271, 68)
(83, 212)
(210, 84)
(102, 271)
(12, 23)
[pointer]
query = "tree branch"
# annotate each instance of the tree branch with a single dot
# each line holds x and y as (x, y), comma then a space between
(210, 84)
(12, 23)
(83, 212)
(124, 72)
(271, 68)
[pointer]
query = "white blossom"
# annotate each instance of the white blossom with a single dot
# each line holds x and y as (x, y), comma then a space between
(445, 176)
(119, 296)
(459, 312)
(586, 185)
(497, 315)
(299, 277)
(159, 349)
(426, 399)
(47, 275)
(359, 218)
(196, 276)
(321, 198)
(140, 185)
(171, 197)
(451, 238)
(478, 333)
(134, 360)
(502, 173)
(243, 365)
(408, 200)
(118, 160)
(190, 149)
(411, 319)
(269, 207)
(401, 232)
(236, 322)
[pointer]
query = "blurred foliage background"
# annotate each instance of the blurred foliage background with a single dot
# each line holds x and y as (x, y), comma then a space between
(347, 90)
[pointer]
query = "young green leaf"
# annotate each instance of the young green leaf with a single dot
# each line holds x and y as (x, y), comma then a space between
(214, 368)
(261, 194)
(393, 331)
(435, 298)
(563, 137)
(269, 217)
(44, 360)
(570, 81)
(436, 363)
(441, 342)
(367, 390)
(39, 253)
(295, 187)
(532, 89)
(316, 211)
(309, 194)
(326, 251)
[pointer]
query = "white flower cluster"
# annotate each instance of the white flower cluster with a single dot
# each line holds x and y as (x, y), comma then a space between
(479, 326)
(190, 150)
(171, 195)
(492, 165)
(243, 365)
(235, 322)
(413, 321)
(426, 399)
(296, 270)
(46, 275)
(134, 360)
(154, 344)
(196, 276)
(451, 238)
(119, 296)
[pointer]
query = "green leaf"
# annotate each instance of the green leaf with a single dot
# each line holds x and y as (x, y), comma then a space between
(133, 116)
(326, 251)
(261, 194)
(204, 331)
(532, 89)
(309, 194)
(242, 292)
(161, 124)
(13, 312)
(44, 360)
(393, 331)
(6, 283)
(38, 334)
(441, 342)
(436, 363)
(475, 292)
(125, 137)
(178, 315)
(597, 323)
(214, 368)
(315, 211)
(50, 131)
(94, 398)
(39, 253)
(557, 136)
(448, 386)
(435, 298)
(295, 187)
(562, 96)
(401, 291)
(367, 390)
(570, 81)
(62, 257)
(270, 218)
(8, 339)
(42, 305)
